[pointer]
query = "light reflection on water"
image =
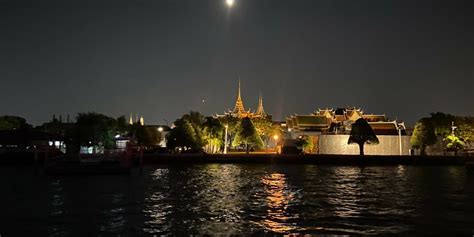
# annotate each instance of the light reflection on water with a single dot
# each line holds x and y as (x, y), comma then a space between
(242, 199)
(278, 197)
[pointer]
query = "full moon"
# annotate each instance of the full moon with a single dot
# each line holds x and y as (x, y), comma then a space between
(229, 2)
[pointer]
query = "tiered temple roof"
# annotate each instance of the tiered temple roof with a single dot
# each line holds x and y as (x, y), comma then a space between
(330, 120)
(239, 109)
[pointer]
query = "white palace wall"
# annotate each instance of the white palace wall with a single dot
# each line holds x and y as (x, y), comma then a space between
(388, 145)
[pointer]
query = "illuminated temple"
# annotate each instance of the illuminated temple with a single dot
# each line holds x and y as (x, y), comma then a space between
(339, 121)
(239, 110)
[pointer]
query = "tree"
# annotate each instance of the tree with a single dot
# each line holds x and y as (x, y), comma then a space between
(361, 134)
(93, 130)
(305, 143)
(442, 123)
(454, 143)
(145, 136)
(188, 132)
(247, 135)
(264, 128)
(233, 124)
(214, 134)
(423, 135)
(13, 122)
(465, 129)
(122, 126)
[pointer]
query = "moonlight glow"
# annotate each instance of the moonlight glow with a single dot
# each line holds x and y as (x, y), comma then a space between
(230, 3)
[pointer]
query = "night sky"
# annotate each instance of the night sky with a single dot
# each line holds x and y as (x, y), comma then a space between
(161, 59)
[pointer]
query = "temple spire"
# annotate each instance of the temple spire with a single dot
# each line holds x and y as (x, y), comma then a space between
(239, 105)
(260, 110)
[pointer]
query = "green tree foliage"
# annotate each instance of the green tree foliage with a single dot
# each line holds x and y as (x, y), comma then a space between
(465, 129)
(305, 143)
(442, 123)
(93, 129)
(13, 122)
(423, 135)
(247, 135)
(454, 143)
(214, 134)
(188, 132)
(265, 129)
(233, 124)
(361, 134)
(263, 126)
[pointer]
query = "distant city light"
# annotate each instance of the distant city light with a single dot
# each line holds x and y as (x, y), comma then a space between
(160, 129)
(230, 3)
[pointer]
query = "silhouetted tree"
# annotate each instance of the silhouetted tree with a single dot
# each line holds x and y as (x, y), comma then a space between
(247, 135)
(93, 129)
(122, 126)
(361, 134)
(423, 135)
(13, 122)
(145, 136)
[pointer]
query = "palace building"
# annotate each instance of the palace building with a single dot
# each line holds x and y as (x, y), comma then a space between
(339, 121)
(329, 131)
(239, 110)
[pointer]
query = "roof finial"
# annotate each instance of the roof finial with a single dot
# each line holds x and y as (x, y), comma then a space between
(260, 111)
(239, 105)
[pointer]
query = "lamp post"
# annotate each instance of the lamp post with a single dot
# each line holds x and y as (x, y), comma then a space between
(225, 137)
(160, 131)
(400, 139)
(275, 137)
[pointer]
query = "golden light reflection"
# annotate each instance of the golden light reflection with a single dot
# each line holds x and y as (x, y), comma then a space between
(278, 197)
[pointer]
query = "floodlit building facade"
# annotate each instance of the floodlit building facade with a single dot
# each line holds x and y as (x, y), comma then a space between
(329, 131)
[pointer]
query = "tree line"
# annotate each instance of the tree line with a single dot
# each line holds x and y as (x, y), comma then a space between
(89, 130)
(194, 132)
(453, 133)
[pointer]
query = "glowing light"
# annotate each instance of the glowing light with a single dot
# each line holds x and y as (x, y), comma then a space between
(160, 129)
(275, 137)
(230, 3)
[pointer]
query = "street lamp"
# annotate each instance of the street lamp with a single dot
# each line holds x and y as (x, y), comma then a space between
(229, 3)
(400, 139)
(275, 137)
(225, 142)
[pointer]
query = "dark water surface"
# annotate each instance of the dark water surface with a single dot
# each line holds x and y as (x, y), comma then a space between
(240, 199)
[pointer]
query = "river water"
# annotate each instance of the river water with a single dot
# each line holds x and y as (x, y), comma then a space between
(240, 199)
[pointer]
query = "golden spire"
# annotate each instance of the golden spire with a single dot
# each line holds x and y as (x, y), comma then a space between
(142, 122)
(260, 110)
(130, 121)
(239, 105)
